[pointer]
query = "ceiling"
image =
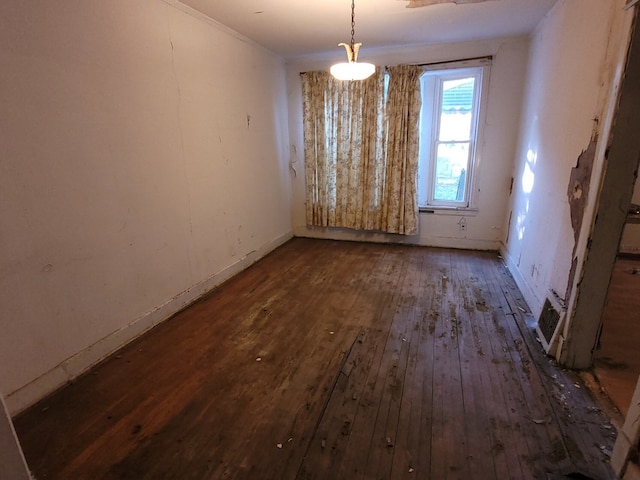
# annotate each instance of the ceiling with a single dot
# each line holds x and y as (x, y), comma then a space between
(297, 28)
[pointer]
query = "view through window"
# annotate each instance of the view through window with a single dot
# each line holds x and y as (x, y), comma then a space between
(449, 125)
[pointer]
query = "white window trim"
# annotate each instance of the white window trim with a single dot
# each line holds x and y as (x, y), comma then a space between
(472, 187)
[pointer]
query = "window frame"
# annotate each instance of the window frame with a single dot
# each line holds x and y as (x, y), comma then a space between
(430, 130)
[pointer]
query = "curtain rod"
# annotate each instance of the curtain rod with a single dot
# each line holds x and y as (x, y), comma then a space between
(470, 59)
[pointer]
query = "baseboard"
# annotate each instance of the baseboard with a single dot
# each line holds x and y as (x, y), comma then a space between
(334, 233)
(628, 253)
(535, 304)
(79, 363)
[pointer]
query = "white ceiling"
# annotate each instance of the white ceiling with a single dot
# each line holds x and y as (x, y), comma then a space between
(295, 28)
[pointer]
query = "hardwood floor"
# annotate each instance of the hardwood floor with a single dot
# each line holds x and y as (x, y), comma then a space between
(331, 360)
(617, 363)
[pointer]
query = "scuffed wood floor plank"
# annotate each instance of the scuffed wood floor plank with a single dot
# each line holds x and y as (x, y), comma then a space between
(330, 360)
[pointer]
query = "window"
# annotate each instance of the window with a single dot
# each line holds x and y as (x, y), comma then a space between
(451, 104)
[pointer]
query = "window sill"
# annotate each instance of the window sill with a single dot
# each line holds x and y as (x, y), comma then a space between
(460, 211)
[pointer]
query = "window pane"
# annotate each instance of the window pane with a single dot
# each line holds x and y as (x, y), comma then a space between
(451, 172)
(457, 109)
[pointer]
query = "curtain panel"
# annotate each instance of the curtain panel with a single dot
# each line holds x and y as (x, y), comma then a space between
(359, 150)
(343, 130)
(400, 200)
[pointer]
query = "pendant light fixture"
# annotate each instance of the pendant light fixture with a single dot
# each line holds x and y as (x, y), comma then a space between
(352, 70)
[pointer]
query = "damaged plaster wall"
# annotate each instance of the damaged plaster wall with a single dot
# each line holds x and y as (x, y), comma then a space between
(614, 172)
(578, 195)
(568, 80)
(132, 180)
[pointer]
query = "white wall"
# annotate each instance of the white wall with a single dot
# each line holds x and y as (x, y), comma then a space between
(568, 86)
(484, 227)
(143, 159)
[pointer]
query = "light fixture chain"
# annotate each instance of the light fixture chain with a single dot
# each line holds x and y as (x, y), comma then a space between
(352, 70)
(353, 23)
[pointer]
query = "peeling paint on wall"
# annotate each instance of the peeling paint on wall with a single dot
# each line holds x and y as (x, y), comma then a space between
(579, 185)
(577, 193)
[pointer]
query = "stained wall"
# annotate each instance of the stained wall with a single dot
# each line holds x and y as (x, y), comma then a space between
(143, 160)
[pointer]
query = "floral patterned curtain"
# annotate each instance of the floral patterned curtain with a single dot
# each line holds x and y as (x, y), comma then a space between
(400, 198)
(346, 132)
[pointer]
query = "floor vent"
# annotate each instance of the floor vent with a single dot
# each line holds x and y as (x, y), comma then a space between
(550, 322)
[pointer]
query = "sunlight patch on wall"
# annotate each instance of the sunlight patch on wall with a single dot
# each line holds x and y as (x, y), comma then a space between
(528, 177)
(527, 181)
